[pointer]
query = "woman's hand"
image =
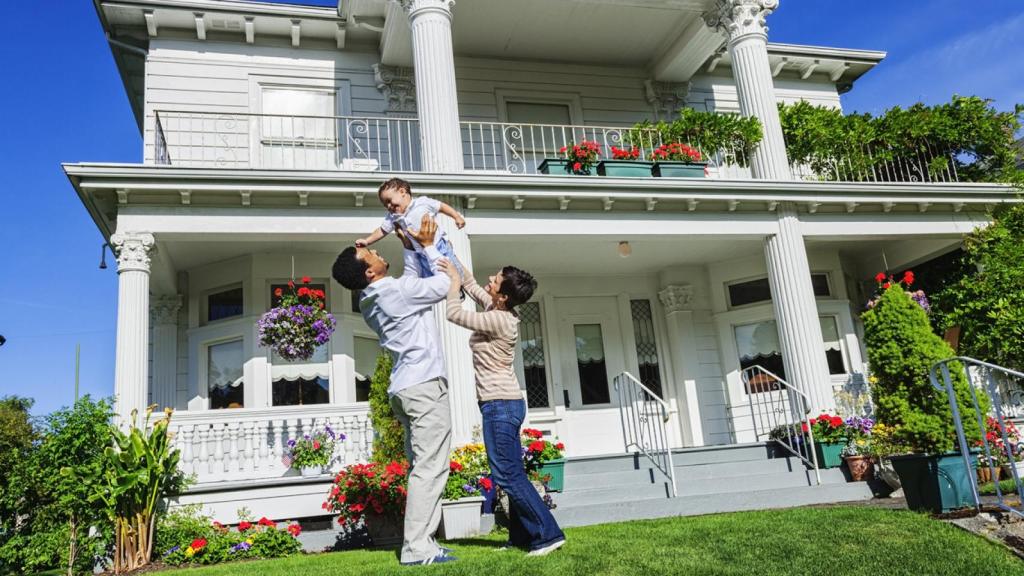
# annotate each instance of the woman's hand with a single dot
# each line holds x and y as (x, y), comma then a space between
(452, 272)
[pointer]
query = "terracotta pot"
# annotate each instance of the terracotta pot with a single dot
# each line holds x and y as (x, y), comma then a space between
(985, 474)
(861, 468)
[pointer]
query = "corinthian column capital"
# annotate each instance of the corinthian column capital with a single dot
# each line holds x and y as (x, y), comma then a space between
(738, 18)
(676, 298)
(133, 250)
(164, 309)
(413, 6)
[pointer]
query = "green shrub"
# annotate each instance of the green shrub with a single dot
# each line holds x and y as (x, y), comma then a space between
(389, 442)
(181, 525)
(901, 350)
(708, 131)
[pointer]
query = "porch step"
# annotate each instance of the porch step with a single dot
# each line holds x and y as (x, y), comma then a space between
(692, 505)
(691, 472)
(681, 457)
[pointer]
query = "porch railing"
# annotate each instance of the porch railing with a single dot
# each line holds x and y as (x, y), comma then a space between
(392, 144)
(779, 412)
(644, 417)
(1005, 390)
(242, 444)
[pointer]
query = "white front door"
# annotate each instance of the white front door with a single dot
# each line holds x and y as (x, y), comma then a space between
(589, 355)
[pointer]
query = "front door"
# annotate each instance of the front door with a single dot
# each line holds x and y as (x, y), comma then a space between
(590, 354)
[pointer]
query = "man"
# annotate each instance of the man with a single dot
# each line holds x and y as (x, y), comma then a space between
(399, 311)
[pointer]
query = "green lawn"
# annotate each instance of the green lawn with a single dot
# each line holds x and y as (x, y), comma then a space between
(819, 541)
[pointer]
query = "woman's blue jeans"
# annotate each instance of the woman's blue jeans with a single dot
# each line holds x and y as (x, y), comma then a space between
(531, 524)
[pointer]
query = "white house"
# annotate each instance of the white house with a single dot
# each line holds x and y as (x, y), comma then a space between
(268, 127)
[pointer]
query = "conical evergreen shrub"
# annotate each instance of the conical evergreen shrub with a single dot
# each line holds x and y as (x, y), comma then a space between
(901, 350)
(389, 439)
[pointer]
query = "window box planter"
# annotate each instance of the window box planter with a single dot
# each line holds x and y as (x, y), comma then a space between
(935, 483)
(460, 518)
(556, 469)
(558, 167)
(830, 455)
(311, 471)
(625, 168)
(679, 169)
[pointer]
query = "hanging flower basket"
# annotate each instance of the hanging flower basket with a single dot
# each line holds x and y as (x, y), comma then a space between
(300, 323)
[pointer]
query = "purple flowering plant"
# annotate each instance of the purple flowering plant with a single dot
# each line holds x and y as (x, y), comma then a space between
(299, 324)
(313, 450)
(858, 434)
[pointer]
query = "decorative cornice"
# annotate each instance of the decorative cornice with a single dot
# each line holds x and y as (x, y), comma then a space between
(738, 18)
(666, 97)
(164, 309)
(676, 298)
(411, 6)
(133, 250)
(398, 84)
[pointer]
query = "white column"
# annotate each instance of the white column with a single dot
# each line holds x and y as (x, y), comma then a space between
(682, 341)
(436, 100)
(131, 366)
(743, 22)
(164, 316)
(455, 340)
(796, 311)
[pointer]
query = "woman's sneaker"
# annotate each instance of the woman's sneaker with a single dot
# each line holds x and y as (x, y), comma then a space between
(545, 550)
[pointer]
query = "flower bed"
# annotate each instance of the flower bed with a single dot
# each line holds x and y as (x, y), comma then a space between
(198, 541)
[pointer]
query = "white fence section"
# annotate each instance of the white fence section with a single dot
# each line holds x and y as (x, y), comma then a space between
(644, 424)
(779, 412)
(242, 444)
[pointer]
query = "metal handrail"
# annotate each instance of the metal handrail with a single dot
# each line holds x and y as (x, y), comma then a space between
(639, 431)
(991, 386)
(781, 414)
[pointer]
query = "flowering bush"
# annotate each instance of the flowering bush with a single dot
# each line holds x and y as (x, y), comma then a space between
(625, 153)
(537, 451)
(885, 282)
(581, 156)
(827, 429)
(219, 543)
(675, 152)
(314, 450)
(994, 436)
(859, 436)
(373, 488)
(300, 323)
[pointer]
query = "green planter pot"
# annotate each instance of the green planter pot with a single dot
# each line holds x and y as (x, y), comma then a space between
(830, 455)
(935, 483)
(679, 169)
(625, 168)
(559, 167)
(556, 468)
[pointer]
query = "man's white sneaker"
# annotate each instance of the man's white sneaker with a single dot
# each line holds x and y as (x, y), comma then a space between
(545, 550)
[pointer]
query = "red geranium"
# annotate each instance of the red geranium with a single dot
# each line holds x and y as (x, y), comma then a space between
(267, 522)
(243, 526)
(582, 155)
(294, 530)
(306, 279)
(624, 154)
(537, 446)
(486, 483)
(198, 544)
(880, 277)
(363, 488)
(454, 466)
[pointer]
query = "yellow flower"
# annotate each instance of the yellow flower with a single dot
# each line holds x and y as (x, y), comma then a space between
(189, 552)
(872, 379)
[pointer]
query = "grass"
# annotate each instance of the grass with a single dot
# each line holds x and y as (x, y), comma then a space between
(840, 540)
(989, 488)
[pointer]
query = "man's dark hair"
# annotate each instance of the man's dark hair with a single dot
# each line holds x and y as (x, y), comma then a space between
(350, 271)
(395, 184)
(517, 285)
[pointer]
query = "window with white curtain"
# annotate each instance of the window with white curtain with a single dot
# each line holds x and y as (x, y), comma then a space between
(758, 345)
(298, 128)
(224, 369)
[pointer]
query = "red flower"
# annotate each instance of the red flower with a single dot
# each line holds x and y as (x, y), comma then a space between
(814, 421)
(486, 483)
(303, 291)
(454, 466)
(560, 446)
(198, 544)
(306, 279)
(267, 522)
(886, 285)
(533, 433)
(537, 446)
(804, 427)
(291, 284)
(836, 421)
(243, 526)
(294, 530)
(316, 444)
(880, 277)
(278, 292)
(577, 166)
(908, 277)
(357, 507)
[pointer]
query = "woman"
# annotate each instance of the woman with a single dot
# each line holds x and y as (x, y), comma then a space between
(493, 342)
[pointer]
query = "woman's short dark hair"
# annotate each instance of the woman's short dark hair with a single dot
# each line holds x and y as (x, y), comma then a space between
(517, 285)
(349, 270)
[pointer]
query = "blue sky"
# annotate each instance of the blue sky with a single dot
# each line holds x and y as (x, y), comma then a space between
(64, 102)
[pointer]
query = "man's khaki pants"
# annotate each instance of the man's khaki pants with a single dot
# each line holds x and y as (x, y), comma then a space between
(425, 414)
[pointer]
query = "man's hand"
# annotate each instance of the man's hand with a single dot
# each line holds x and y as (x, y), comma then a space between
(451, 270)
(405, 239)
(425, 235)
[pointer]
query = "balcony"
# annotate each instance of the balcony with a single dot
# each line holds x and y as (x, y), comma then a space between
(392, 145)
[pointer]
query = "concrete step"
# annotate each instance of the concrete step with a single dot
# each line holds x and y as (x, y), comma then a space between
(623, 510)
(649, 475)
(681, 457)
(601, 496)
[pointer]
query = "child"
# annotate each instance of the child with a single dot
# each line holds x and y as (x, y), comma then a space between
(406, 212)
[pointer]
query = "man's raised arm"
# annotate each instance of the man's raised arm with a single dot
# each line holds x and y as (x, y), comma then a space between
(421, 292)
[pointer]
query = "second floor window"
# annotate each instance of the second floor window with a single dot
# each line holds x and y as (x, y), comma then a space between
(298, 128)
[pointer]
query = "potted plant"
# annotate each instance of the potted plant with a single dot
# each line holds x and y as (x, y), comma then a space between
(312, 453)
(577, 158)
(1003, 454)
(543, 459)
(298, 324)
(625, 162)
(902, 348)
(677, 160)
(858, 452)
(829, 439)
(372, 495)
(462, 499)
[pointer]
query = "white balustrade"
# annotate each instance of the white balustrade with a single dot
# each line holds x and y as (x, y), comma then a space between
(241, 444)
